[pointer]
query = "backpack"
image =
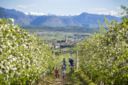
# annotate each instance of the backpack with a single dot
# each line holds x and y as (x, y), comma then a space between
(63, 67)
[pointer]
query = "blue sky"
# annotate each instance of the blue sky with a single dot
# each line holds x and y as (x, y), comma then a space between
(65, 7)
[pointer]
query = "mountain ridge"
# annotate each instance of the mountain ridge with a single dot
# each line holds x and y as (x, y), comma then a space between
(83, 20)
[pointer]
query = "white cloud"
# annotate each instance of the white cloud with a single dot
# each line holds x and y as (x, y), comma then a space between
(34, 13)
(22, 6)
(104, 11)
(28, 10)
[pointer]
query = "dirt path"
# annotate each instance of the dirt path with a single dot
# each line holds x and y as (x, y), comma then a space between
(51, 80)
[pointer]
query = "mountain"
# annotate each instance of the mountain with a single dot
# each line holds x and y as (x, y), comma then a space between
(83, 20)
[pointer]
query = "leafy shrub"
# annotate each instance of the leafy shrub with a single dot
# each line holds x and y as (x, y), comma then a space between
(104, 57)
(23, 57)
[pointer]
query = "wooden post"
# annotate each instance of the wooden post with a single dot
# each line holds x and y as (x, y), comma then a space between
(77, 61)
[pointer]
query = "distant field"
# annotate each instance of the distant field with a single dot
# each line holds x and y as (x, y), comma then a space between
(47, 35)
(71, 29)
(58, 35)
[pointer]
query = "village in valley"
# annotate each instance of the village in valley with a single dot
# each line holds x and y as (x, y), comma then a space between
(62, 42)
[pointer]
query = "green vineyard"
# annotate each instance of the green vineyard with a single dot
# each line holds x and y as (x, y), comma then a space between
(100, 59)
(104, 57)
(23, 57)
